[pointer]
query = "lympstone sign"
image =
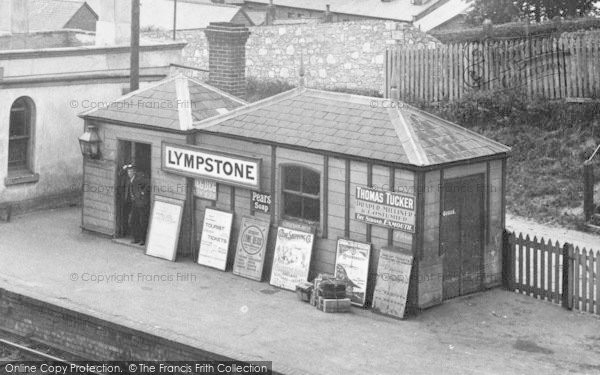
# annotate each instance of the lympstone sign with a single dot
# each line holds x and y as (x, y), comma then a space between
(196, 162)
(385, 208)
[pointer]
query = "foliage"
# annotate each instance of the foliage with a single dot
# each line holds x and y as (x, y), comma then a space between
(515, 30)
(261, 89)
(502, 11)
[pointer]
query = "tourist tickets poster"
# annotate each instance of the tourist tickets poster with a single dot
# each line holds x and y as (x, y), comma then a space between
(352, 266)
(291, 261)
(251, 248)
(393, 280)
(214, 242)
(163, 232)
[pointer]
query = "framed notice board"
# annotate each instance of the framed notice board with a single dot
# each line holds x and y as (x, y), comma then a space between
(214, 243)
(251, 248)
(393, 281)
(165, 224)
(291, 262)
(352, 265)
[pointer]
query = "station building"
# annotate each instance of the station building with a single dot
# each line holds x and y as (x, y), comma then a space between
(326, 160)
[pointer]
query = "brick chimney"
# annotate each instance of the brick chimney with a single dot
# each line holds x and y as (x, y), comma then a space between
(227, 57)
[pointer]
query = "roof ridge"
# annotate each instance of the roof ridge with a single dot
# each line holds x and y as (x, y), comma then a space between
(184, 112)
(459, 127)
(408, 138)
(249, 108)
(354, 98)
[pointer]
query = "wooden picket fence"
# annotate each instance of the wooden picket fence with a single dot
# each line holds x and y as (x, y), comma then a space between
(541, 67)
(538, 268)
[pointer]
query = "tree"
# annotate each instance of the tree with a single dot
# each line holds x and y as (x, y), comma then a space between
(499, 11)
(502, 11)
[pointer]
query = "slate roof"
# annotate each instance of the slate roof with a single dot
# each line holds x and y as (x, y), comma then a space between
(53, 14)
(354, 125)
(190, 15)
(174, 103)
(442, 14)
(398, 10)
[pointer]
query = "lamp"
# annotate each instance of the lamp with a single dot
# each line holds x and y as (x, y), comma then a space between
(90, 143)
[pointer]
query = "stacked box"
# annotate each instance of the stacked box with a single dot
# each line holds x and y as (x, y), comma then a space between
(316, 282)
(340, 305)
(332, 289)
(304, 291)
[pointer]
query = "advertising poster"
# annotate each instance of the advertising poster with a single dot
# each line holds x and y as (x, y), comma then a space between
(352, 266)
(163, 231)
(214, 243)
(385, 208)
(251, 248)
(291, 261)
(393, 279)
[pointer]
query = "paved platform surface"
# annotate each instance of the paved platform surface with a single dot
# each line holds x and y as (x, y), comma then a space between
(46, 256)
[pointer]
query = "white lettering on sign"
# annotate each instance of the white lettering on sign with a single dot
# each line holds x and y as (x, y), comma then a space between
(197, 162)
(449, 212)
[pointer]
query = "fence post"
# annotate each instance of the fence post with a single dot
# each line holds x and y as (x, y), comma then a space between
(567, 276)
(508, 260)
(588, 190)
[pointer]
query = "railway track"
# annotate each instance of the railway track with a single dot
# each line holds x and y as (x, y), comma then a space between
(18, 350)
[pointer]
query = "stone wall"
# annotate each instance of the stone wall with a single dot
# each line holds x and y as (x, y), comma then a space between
(346, 55)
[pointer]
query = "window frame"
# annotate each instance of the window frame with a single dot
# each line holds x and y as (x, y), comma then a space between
(28, 108)
(283, 191)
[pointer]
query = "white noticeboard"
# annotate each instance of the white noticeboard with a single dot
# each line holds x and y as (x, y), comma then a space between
(352, 266)
(214, 243)
(291, 261)
(393, 281)
(163, 232)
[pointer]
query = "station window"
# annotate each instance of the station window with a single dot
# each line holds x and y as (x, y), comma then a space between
(301, 193)
(20, 135)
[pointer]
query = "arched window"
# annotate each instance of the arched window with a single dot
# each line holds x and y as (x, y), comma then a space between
(301, 193)
(20, 135)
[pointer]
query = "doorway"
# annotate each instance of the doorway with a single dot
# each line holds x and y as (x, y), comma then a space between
(462, 235)
(129, 152)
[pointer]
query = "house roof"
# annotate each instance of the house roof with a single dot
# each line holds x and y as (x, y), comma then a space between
(53, 14)
(441, 14)
(173, 104)
(190, 15)
(398, 10)
(354, 125)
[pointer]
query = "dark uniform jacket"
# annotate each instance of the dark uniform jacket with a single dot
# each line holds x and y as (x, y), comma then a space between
(138, 190)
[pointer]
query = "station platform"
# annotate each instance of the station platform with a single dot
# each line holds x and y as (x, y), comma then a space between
(46, 256)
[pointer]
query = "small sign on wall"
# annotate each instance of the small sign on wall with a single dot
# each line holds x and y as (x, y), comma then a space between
(261, 202)
(214, 243)
(392, 283)
(251, 248)
(205, 189)
(291, 262)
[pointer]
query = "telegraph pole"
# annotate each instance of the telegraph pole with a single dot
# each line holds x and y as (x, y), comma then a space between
(134, 79)
(174, 19)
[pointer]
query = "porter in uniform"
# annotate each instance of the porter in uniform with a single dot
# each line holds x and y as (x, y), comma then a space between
(138, 196)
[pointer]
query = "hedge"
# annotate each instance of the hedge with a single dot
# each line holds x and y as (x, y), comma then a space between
(514, 30)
